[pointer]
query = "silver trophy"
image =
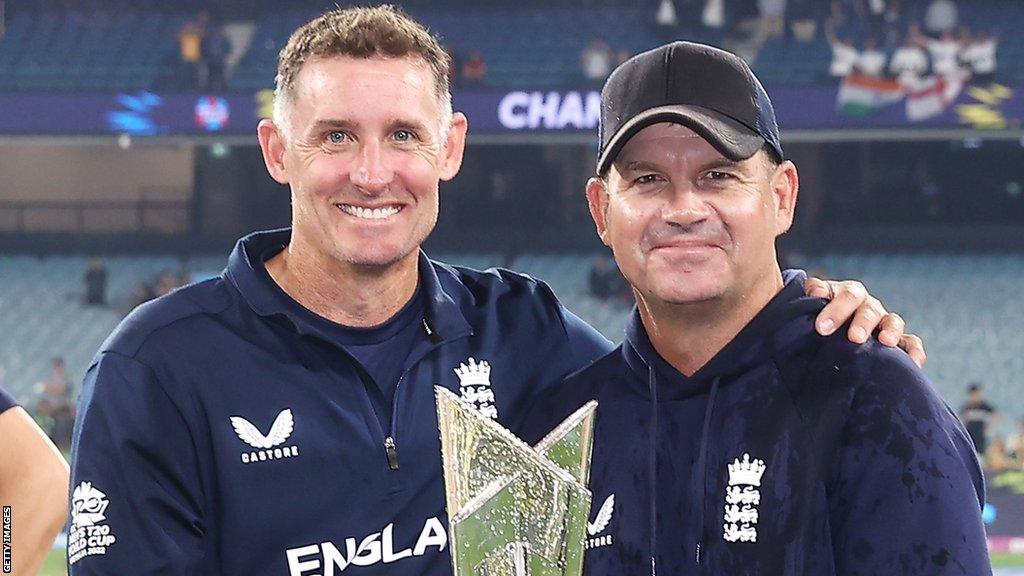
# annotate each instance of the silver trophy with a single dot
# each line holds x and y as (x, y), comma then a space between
(514, 510)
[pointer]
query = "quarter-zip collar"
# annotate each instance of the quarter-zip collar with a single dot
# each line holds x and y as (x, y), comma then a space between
(443, 319)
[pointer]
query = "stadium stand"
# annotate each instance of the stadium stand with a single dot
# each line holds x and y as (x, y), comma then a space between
(129, 49)
(966, 307)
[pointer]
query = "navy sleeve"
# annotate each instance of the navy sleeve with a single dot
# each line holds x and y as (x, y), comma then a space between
(136, 502)
(907, 489)
(6, 401)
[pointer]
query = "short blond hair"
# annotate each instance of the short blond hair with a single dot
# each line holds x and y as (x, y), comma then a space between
(379, 31)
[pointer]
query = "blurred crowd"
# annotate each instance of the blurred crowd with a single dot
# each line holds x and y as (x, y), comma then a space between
(53, 399)
(867, 37)
(164, 282)
(942, 44)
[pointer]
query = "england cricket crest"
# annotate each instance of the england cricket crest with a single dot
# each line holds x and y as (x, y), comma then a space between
(514, 510)
(475, 386)
(742, 497)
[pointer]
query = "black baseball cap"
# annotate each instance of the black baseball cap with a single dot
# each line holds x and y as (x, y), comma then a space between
(709, 90)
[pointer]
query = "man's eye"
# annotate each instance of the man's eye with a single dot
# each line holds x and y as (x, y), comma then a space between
(336, 137)
(403, 135)
(647, 179)
(718, 175)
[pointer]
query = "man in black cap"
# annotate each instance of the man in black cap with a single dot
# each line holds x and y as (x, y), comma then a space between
(731, 438)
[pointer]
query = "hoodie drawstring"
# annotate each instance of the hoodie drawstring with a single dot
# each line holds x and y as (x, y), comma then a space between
(702, 465)
(653, 463)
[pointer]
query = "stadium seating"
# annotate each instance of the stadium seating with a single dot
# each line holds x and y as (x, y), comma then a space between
(42, 315)
(535, 46)
(967, 308)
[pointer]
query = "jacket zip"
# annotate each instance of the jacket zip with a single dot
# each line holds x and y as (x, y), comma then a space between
(390, 446)
(392, 452)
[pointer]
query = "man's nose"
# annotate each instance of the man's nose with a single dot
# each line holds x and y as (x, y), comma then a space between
(372, 172)
(686, 206)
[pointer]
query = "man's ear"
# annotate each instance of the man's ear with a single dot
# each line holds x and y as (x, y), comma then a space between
(452, 160)
(272, 144)
(785, 185)
(597, 201)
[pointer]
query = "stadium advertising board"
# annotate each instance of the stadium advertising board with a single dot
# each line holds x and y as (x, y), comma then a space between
(857, 103)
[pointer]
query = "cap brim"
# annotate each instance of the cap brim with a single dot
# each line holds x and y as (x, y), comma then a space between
(730, 137)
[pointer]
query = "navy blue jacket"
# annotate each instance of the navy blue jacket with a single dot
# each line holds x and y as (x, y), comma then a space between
(789, 453)
(222, 431)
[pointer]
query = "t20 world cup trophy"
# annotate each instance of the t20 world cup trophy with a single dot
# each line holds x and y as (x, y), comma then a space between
(514, 510)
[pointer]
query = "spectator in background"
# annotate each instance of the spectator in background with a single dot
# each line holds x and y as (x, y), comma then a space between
(836, 16)
(979, 55)
(605, 281)
(596, 61)
(144, 292)
(871, 61)
(945, 53)
(713, 15)
(56, 387)
(95, 280)
(909, 62)
(215, 51)
(474, 70)
(665, 19)
(803, 18)
(940, 16)
(844, 54)
(55, 411)
(997, 459)
(168, 281)
(773, 18)
(190, 44)
(977, 415)
(34, 483)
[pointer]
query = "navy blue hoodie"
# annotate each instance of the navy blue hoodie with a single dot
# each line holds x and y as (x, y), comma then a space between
(223, 430)
(788, 453)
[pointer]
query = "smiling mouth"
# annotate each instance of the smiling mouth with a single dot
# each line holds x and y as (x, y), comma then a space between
(369, 213)
(686, 246)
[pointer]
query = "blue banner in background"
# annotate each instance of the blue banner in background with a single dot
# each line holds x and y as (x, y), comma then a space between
(137, 114)
(937, 103)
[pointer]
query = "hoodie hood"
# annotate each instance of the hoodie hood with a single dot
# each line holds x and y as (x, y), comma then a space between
(774, 330)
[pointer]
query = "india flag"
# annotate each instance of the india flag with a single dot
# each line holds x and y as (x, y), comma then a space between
(862, 95)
